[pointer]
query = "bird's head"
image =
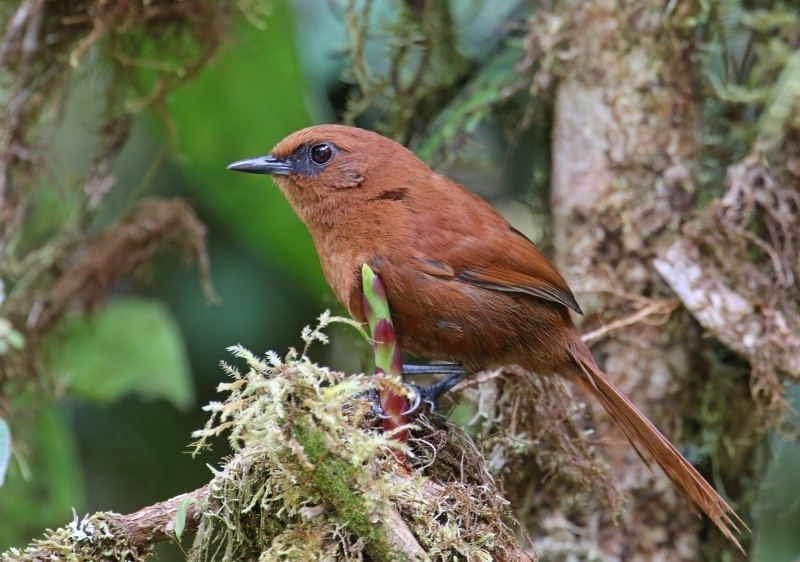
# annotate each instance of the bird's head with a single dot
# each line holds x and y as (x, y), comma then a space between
(327, 168)
(328, 157)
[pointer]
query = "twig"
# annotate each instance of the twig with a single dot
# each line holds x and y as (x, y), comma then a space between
(663, 307)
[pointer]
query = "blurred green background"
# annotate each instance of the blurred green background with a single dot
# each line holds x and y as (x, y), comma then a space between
(267, 81)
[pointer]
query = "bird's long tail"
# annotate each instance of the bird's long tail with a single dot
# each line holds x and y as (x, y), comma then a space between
(642, 434)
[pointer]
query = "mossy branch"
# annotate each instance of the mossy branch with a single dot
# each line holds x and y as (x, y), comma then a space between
(106, 535)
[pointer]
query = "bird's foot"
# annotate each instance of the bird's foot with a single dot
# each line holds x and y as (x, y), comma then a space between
(422, 394)
(377, 409)
(375, 400)
(431, 394)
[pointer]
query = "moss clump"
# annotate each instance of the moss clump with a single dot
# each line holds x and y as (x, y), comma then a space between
(313, 475)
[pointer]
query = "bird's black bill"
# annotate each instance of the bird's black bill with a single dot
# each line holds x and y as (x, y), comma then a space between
(262, 165)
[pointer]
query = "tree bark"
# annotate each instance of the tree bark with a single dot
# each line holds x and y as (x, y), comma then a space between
(624, 139)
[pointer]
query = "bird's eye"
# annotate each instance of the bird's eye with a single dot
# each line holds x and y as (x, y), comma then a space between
(321, 153)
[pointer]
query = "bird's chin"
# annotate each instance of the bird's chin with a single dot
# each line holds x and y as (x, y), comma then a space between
(283, 183)
(295, 194)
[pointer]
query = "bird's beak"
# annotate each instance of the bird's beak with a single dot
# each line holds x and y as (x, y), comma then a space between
(263, 165)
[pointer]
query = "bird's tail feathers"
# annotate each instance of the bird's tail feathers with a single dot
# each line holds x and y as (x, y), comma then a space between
(646, 438)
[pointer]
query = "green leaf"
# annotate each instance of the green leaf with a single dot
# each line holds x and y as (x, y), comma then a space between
(180, 515)
(130, 346)
(388, 356)
(5, 449)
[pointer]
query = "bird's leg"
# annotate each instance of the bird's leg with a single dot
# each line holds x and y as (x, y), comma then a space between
(431, 394)
(433, 369)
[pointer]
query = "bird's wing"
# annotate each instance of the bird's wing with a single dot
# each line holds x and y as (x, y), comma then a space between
(493, 256)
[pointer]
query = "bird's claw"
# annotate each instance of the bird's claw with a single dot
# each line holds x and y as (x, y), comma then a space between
(380, 413)
(425, 395)
(431, 394)
(417, 400)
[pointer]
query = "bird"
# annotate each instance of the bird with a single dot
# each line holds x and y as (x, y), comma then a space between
(463, 285)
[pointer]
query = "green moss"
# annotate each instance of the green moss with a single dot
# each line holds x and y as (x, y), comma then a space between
(337, 481)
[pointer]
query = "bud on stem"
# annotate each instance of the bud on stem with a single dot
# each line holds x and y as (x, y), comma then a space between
(388, 356)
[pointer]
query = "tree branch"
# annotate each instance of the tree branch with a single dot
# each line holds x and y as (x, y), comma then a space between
(108, 535)
(156, 523)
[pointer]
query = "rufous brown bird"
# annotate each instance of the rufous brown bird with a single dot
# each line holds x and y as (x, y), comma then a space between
(463, 285)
